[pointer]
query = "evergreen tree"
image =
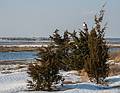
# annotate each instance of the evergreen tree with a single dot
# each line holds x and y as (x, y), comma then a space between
(44, 73)
(96, 65)
(80, 48)
(76, 59)
(87, 51)
(70, 49)
(62, 48)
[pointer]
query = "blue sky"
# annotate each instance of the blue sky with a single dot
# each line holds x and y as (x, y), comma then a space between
(35, 18)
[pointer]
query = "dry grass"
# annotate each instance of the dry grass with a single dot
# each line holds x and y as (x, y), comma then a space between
(84, 76)
(115, 66)
(69, 82)
(15, 49)
(114, 69)
(117, 59)
(115, 56)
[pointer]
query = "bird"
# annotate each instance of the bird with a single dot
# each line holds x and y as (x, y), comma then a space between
(56, 31)
(85, 26)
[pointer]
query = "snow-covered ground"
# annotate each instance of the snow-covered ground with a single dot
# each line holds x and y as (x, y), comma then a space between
(26, 45)
(16, 81)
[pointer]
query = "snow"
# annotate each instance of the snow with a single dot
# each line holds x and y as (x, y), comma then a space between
(16, 82)
(114, 81)
(70, 76)
(12, 83)
(114, 45)
(27, 45)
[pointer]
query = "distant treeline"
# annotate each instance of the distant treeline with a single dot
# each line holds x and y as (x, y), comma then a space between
(113, 40)
(109, 40)
(24, 38)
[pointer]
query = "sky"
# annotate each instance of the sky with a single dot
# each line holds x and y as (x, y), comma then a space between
(40, 18)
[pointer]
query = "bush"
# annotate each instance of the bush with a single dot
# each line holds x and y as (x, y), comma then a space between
(71, 52)
(44, 74)
(96, 65)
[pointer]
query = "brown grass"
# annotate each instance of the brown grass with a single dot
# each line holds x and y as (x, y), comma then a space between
(68, 82)
(114, 69)
(84, 76)
(115, 56)
(15, 49)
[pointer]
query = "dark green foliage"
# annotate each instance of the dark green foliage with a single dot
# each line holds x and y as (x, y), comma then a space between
(45, 73)
(78, 50)
(96, 65)
(88, 51)
(69, 49)
(62, 48)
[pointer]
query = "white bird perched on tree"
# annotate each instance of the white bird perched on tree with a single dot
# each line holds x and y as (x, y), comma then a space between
(85, 26)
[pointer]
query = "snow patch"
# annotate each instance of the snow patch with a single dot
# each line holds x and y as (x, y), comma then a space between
(16, 83)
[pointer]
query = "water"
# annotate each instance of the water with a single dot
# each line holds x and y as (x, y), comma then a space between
(26, 55)
(23, 55)
(114, 49)
(113, 40)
